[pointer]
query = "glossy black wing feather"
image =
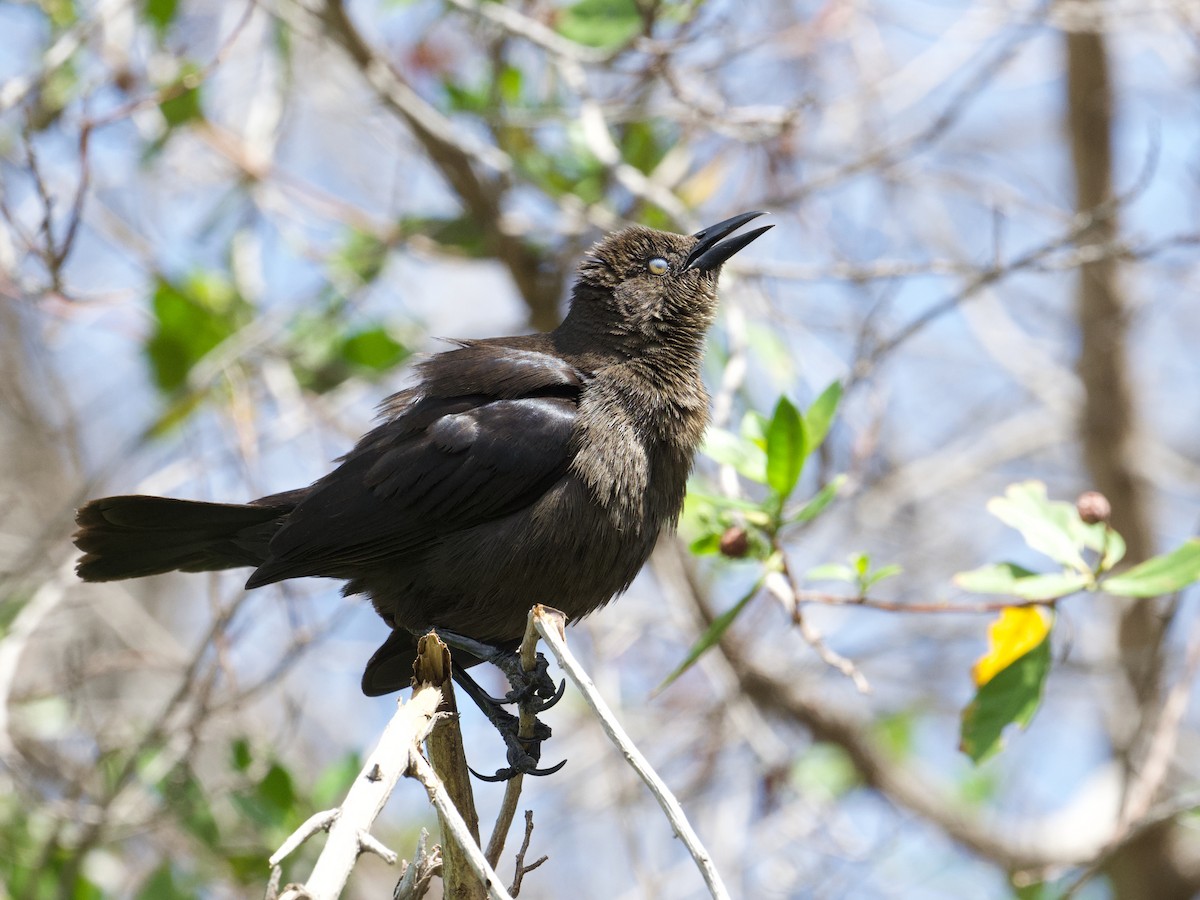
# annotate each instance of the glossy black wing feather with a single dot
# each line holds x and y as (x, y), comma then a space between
(440, 465)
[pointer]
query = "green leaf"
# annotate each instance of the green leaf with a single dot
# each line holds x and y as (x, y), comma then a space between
(335, 780)
(185, 797)
(819, 416)
(373, 349)
(787, 447)
(182, 102)
(1014, 580)
(270, 803)
(711, 635)
(825, 773)
(895, 734)
(873, 578)
(1049, 528)
(361, 256)
(706, 545)
(831, 572)
(191, 318)
(462, 234)
(240, 754)
(508, 83)
(817, 504)
(1012, 695)
(62, 13)
(160, 14)
(644, 144)
(163, 885)
(1161, 575)
(1104, 540)
(605, 24)
(728, 449)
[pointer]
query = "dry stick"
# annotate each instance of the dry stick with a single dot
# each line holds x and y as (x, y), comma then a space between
(349, 824)
(512, 790)
(523, 869)
(415, 876)
(449, 760)
(420, 769)
(549, 624)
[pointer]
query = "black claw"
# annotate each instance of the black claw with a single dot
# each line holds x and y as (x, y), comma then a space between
(558, 695)
(513, 771)
(501, 775)
(549, 771)
(533, 692)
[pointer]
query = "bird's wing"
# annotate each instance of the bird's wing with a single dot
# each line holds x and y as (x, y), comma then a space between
(444, 462)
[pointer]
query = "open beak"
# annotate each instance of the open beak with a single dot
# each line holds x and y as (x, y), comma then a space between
(709, 253)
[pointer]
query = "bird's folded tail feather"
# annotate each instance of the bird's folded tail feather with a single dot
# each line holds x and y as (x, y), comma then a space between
(133, 536)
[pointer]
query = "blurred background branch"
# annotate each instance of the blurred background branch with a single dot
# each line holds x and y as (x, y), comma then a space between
(225, 227)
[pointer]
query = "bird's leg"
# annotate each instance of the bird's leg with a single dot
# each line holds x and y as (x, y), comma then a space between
(536, 687)
(533, 692)
(523, 753)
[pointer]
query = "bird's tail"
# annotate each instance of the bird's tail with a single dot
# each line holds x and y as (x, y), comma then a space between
(128, 537)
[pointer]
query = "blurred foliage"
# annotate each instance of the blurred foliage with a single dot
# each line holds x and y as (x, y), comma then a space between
(231, 834)
(606, 24)
(192, 317)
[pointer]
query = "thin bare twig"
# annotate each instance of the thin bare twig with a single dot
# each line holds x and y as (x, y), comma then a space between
(521, 869)
(550, 625)
(525, 728)
(420, 769)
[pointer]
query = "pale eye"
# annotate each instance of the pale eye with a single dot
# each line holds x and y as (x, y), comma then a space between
(658, 266)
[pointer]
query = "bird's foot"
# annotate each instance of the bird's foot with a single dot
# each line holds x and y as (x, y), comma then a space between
(524, 753)
(535, 687)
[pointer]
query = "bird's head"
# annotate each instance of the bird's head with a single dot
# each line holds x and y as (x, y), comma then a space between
(642, 286)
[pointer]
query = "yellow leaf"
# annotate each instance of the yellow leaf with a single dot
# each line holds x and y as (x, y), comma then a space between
(1018, 630)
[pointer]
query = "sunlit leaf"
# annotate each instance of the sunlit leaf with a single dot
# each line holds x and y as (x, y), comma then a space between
(728, 449)
(819, 416)
(831, 572)
(1048, 527)
(823, 498)
(1016, 631)
(1013, 692)
(1014, 580)
(787, 447)
(706, 545)
(1161, 575)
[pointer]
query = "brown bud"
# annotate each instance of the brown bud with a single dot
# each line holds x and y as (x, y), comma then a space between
(1093, 507)
(735, 542)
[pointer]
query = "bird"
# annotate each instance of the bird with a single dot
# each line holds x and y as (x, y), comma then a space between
(537, 468)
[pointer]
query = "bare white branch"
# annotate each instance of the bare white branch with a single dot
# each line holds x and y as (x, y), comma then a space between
(420, 768)
(550, 624)
(351, 822)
